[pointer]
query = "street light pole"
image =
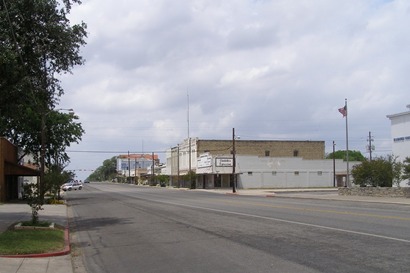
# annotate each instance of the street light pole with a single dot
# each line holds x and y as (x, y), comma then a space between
(42, 156)
(41, 185)
(233, 161)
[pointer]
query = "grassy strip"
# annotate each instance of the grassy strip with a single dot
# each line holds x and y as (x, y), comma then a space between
(38, 224)
(31, 241)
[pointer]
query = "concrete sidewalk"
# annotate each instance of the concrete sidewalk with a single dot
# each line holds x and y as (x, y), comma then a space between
(13, 213)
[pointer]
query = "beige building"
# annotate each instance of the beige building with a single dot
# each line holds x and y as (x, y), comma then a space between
(186, 156)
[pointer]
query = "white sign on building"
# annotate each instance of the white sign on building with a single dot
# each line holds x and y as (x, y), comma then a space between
(223, 162)
(204, 161)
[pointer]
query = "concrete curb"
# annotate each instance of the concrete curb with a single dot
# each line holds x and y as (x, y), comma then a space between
(271, 195)
(391, 202)
(65, 251)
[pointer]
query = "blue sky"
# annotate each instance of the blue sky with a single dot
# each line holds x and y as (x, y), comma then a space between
(275, 69)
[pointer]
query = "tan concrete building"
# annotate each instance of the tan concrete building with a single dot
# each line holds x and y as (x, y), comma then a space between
(185, 156)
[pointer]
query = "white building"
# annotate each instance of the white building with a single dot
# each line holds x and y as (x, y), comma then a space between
(254, 172)
(132, 166)
(259, 164)
(400, 133)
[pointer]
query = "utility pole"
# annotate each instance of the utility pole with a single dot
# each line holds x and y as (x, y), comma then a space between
(178, 178)
(189, 138)
(129, 168)
(42, 157)
(370, 146)
(41, 183)
(233, 161)
(334, 165)
(153, 169)
(135, 169)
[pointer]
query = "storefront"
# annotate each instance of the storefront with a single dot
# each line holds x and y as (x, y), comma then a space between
(10, 171)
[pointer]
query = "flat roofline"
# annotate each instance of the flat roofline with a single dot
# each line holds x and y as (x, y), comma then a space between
(398, 115)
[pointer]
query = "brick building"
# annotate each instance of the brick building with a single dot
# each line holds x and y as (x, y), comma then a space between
(268, 148)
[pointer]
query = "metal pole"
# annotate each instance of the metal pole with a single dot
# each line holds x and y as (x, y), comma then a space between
(135, 170)
(370, 146)
(178, 178)
(42, 156)
(334, 165)
(153, 168)
(233, 161)
(129, 168)
(347, 147)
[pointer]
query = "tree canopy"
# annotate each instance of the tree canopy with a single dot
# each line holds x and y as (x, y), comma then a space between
(406, 170)
(353, 155)
(107, 171)
(37, 43)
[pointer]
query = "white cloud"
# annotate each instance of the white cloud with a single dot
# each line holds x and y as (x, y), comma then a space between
(271, 69)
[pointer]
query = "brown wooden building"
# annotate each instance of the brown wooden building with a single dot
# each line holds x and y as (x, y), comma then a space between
(10, 170)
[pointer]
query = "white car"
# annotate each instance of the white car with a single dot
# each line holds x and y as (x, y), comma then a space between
(73, 185)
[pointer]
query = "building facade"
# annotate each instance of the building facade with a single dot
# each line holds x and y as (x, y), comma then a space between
(400, 134)
(11, 172)
(212, 160)
(255, 172)
(134, 166)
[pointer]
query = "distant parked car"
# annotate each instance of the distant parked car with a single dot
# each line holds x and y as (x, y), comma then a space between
(73, 185)
(86, 181)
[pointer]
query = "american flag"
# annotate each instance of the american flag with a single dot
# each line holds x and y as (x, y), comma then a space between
(343, 111)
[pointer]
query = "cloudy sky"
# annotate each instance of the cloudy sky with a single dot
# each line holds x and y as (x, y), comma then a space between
(271, 69)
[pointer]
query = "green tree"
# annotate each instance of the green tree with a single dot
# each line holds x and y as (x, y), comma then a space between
(33, 200)
(406, 170)
(55, 177)
(353, 155)
(37, 44)
(191, 178)
(397, 170)
(107, 171)
(163, 180)
(380, 172)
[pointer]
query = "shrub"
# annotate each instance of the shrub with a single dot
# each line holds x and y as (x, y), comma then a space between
(380, 172)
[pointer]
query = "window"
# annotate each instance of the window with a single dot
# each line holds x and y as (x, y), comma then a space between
(295, 153)
(250, 173)
(274, 173)
(296, 173)
(319, 173)
(267, 153)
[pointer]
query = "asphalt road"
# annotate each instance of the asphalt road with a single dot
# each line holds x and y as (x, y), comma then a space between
(125, 228)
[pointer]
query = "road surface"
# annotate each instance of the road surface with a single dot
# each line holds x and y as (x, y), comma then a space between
(126, 228)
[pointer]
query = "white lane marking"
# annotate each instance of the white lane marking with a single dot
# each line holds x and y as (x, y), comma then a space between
(291, 222)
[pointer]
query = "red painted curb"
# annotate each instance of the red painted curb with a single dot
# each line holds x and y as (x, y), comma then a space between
(65, 251)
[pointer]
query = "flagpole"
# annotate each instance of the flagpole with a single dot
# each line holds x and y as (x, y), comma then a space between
(347, 148)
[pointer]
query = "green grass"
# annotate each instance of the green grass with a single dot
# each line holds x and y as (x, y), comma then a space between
(31, 241)
(38, 224)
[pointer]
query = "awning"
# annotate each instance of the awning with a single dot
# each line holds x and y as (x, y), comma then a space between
(19, 170)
